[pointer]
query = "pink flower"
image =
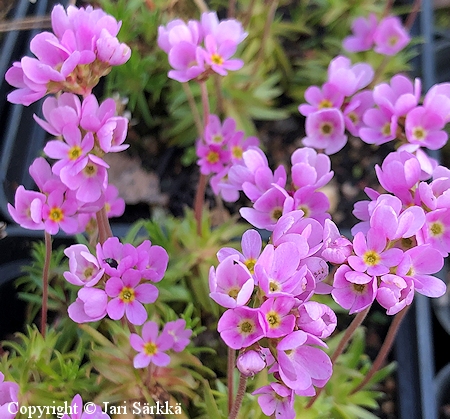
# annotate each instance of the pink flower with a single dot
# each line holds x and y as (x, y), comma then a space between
(390, 36)
(114, 204)
(310, 168)
(78, 412)
(229, 30)
(27, 211)
(181, 336)
(355, 110)
(325, 130)
(425, 128)
(277, 316)
(352, 290)
(436, 231)
(251, 245)
(302, 366)
(371, 254)
(128, 295)
(59, 212)
(212, 158)
(336, 247)
(379, 127)
(9, 392)
(152, 261)
(276, 399)
(177, 31)
(363, 34)
(250, 363)
(151, 347)
(240, 327)
(317, 319)
(329, 96)
(90, 305)
(218, 56)
(395, 293)
(231, 284)
(84, 269)
(116, 257)
(349, 78)
(314, 204)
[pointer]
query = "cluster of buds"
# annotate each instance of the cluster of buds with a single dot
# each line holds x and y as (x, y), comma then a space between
(82, 48)
(198, 49)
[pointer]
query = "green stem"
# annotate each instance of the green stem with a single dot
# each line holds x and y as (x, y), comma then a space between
(239, 397)
(230, 373)
(385, 349)
(45, 279)
(359, 318)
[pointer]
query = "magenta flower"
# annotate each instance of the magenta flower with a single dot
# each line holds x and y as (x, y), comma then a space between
(352, 290)
(78, 412)
(325, 130)
(84, 269)
(251, 245)
(222, 186)
(390, 36)
(187, 62)
(355, 110)
(177, 31)
(116, 257)
(231, 284)
(395, 293)
(371, 254)
(114, 204)
(128, 295)
(218, 56)
(379, 127)
(90, 305)
(71, 151)
(276, 399)
(217, 133)
(399, 172)
(181, 336)
(268, 208)
(302, 366)
(336, 247)
(88, 177)
(349, 78)
(27, 211)
(310, 168)
(9, 392)
(418, 264)
(59, 212)
(212, 158)
(314, 204)
(152, 261)
(363, 34)
(329, 96)
(436, 231)
(228, 30)
(151, 347)
(250, 363)
(277, 316)
(425, 128)
(240, 327)
(317, 319)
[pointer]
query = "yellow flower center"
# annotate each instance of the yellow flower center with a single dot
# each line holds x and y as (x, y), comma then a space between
(127, 295)
(150, 349)
(237, 152)
(274, 286)
(212, 157)
(75, 152)
(353, 117)
(217, 138)
(250, 263)
(325, 103)
(437, 228)
(216, 59)
(88, 272)
(419, 133)
(371, 258)
(305, 209)
(276, 214)
(90, 170)
(393, 40)
(246, 327)
(273, 318)
(386, 130)
(359, 288)
(233, 292)
(56, 215)
(326, 128)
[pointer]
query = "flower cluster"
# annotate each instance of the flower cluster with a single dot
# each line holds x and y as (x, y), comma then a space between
(81, 49)
(270, 317)
(387, 36)
(337, 106)
(116, 281)
(221, 147)
(152, 347)
(199, 48)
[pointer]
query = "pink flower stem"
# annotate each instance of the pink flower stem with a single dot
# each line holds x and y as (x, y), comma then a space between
(231, 9)
(231, 362)
(202, 182)
(45, 278)
(104, 228)
(193, 106)
(412, 14)
(239, 397)
(359, 318)
(385, 349)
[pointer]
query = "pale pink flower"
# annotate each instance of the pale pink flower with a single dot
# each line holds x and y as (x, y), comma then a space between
(317, 319)
(329, 96)
(152, 261)
(27, 211)
(278, 321)
(84, 269)
(59, 212)
(9, 392)
(90, 305)
(336, 247)
(181, 336)
(436, 231)
(390, 36)
(355, 110)
(363, 34)
(250, 363)
(114, 204)
(276, 399)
